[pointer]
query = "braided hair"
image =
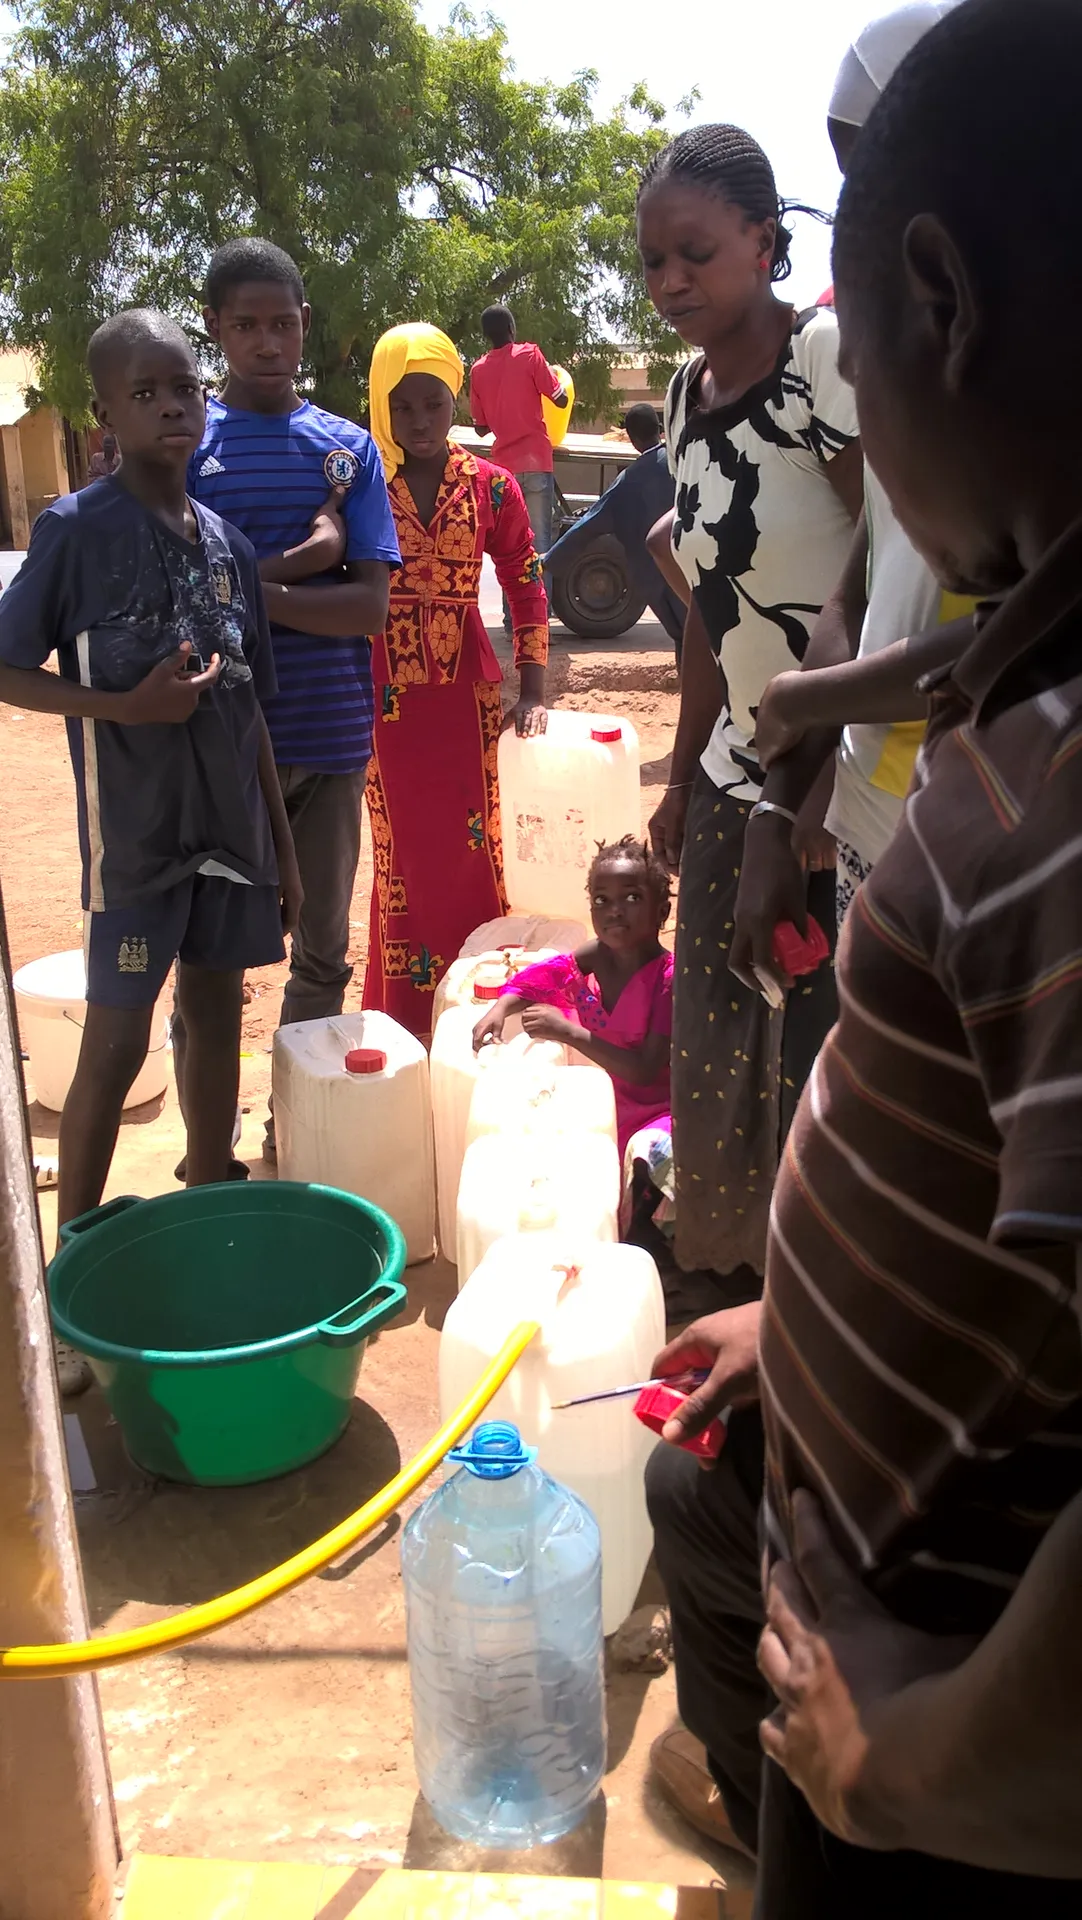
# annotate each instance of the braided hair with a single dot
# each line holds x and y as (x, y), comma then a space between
(727, 161)
(638, 853)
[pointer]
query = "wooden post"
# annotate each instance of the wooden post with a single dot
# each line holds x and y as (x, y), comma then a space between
(58, 1853)
(18, 518)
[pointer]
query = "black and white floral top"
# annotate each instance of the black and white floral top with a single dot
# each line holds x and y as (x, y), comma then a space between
(759, 531)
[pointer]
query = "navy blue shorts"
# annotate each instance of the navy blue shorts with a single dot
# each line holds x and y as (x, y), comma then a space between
(205, 922)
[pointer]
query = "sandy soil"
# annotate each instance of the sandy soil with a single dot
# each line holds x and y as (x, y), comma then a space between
(288, 1736)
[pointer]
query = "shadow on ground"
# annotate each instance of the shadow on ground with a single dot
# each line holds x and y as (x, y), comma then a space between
(170, 1545)
(578, 1855)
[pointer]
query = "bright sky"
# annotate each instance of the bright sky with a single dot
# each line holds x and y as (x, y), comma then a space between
(767, 65)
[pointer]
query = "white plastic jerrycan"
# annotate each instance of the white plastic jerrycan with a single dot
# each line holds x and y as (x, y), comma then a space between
(517, 1181)
(544, 1098)
(532, 932)
(455, 1068)
(352, 1109)
(602, 1322)
(476, 979)
(561, 793)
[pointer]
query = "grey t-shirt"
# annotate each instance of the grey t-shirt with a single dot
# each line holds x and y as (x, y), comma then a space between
(109, 589)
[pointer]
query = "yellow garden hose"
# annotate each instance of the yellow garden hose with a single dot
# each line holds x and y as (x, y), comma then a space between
(85, 1656)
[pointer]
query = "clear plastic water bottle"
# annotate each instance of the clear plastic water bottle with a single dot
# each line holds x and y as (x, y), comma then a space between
(502, 1571)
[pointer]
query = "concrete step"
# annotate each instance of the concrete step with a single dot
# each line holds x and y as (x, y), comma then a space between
(160, 1888)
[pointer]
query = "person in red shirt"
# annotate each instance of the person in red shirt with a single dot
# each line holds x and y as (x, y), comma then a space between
(506, 386)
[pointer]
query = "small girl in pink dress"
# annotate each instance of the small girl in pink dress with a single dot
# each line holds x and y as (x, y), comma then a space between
(612, 1000)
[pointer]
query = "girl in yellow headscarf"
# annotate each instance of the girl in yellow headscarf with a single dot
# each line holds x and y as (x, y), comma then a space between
(433, 797)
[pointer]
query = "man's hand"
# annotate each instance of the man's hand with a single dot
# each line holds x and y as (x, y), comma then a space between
(727, 1343)
(667, 827)
(835, 1659)
(778, 723)
(546, 1023)
(168, 695)
(771, 888)
(529, 717)
(290, 890)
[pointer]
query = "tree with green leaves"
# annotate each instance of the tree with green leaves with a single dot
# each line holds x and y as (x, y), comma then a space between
(410, 174)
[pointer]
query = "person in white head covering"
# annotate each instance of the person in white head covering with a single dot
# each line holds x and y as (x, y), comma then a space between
(868, 64)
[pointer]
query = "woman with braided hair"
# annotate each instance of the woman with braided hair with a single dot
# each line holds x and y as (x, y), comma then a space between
(761, 435)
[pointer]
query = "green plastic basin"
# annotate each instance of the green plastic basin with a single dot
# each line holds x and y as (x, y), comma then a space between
(227, 1324)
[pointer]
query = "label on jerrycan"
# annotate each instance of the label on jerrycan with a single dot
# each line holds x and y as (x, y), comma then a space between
(559, 840)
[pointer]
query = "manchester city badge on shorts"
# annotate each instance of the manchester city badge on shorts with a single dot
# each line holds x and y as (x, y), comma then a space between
(340, 467)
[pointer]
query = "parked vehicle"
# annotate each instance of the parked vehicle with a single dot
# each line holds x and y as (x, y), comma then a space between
(591, 593)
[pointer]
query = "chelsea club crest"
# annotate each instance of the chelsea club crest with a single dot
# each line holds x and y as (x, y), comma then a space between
(340, 467)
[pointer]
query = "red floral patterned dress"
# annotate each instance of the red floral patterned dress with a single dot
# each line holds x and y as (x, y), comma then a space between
(433, 797)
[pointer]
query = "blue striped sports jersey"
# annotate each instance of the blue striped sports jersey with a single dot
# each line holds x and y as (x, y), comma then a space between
(268, 474)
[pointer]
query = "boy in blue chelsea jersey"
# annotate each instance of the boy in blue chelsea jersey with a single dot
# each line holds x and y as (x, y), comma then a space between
(307, 489)
(154, 609)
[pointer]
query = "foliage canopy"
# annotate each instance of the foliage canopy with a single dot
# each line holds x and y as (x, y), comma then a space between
(410, 174)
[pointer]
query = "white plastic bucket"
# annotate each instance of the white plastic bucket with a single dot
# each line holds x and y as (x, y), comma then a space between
(50, 1000)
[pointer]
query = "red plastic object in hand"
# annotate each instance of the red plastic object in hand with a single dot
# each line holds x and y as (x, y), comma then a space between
(795, 955)
(655, 1405)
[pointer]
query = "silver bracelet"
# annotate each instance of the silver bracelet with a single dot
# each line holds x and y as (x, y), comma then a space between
(771, 806)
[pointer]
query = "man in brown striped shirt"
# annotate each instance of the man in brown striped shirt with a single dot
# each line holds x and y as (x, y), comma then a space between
(920, 1346)
(920, 1362)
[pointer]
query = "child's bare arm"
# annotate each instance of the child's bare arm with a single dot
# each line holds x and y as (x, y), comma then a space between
(289, 876)
(639, 1065)
(339, 609)
(324, 548)
(167, 696)
(491, 1024)
(879, 689)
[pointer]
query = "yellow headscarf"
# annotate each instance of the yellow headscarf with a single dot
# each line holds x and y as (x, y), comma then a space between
(413, 348)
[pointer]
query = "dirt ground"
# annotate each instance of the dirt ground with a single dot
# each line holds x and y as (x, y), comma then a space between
(287, 1737)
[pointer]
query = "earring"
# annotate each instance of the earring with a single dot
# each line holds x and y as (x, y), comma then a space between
(763, 264)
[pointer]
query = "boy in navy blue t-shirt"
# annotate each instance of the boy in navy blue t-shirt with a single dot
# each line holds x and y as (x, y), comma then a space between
(307, 488)
(154, 609)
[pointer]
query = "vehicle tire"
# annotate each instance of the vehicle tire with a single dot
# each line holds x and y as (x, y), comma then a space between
(592, 594)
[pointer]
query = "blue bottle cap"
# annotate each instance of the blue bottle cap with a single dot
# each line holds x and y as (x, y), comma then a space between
(494, 1451)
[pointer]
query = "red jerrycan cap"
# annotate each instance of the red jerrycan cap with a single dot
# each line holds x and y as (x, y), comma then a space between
(796, 955)
(489, 983)
(606, 735)
(365, 1060)
(655, 1405)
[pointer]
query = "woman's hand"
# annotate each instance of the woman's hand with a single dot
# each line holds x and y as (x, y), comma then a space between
(667, 826)
(778, 723)
(528, 716)
(814, 848)
(727, 1343)
(771, 888)
(546, 1023)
